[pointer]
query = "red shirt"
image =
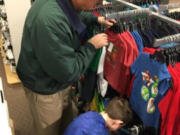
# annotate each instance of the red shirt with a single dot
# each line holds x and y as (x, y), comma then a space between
(129, 89)
(118, 61)
(169, 106)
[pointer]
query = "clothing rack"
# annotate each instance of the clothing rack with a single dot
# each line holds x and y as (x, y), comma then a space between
(144, 11)
(166, 19)
(152, 14)
(125, 14)
(138, 10)
(169, 6)
(99, 7)
(166, 40)
(126, 4)
(174, 15)
(170, 55)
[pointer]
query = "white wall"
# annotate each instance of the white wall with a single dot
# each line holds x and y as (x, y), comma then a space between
(16, 13)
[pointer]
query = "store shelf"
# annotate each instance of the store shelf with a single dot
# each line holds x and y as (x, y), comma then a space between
(11, 77)
(2, 52)
(12, 126)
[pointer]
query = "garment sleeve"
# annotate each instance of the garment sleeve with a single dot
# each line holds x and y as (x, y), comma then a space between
(164, 86)
(165, 77)
(56, 54)
(88, 18)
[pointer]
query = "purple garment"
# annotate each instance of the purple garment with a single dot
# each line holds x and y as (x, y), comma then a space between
(90, 123)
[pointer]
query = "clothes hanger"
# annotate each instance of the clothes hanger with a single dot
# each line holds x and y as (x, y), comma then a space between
(125, 14)
(168, 55)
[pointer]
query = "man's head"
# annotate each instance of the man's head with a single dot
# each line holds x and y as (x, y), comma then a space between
(84, 4)
(117, 113)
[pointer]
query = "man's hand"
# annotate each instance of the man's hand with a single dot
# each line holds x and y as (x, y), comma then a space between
(99, 40)
(108, 22)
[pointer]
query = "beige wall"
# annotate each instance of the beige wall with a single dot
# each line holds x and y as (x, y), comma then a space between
(16, 13)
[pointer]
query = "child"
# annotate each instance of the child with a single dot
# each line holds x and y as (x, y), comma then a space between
(115, 115)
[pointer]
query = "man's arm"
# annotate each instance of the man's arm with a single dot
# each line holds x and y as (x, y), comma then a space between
(88, 18)
(55, 51)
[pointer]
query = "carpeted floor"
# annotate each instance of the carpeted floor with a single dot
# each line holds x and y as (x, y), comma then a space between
(17, 106)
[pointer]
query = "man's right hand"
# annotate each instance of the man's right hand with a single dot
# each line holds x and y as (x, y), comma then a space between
(99, 40)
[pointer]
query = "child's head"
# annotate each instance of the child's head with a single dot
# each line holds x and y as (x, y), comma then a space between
(119, 113)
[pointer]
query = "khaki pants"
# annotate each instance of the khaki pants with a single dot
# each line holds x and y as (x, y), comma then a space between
(51, 113)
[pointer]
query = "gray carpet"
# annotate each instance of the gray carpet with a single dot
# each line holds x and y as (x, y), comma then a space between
(17, 106)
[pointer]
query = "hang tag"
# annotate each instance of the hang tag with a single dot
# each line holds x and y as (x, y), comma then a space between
(110, 47)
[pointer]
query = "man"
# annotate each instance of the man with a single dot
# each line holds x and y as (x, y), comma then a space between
(52, 58)
(115, 115)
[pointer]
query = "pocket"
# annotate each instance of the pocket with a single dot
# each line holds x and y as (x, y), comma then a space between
(46, 99)
(49, 109)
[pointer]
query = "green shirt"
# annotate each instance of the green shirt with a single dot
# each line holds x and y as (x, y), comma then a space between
(51, 56)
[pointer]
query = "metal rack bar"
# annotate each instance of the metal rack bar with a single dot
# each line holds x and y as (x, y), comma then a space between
(128, 13)
(166, 19)
(139, 10)
(152, 14)
(169, 6)
(127, 4)
(166, 40)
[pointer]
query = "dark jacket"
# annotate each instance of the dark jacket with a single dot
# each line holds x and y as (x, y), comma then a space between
(52, 57)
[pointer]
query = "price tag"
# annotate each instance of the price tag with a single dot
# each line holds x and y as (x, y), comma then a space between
(110, 47)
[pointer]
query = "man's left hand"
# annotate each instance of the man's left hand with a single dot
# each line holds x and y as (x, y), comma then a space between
(108, 22)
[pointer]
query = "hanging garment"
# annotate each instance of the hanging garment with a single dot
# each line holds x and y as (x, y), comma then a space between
(111, 93)
(163, 29)
(150, 85)
(93, 105)
(138, 40)
(174, 14)
(102, 84)
(169, 106)
(119, 59)
(150, 50)
(164, 104)
(147, 38)
(88, 86)
(89, 83)
(129, 90)
(97, 103)
(168, 45)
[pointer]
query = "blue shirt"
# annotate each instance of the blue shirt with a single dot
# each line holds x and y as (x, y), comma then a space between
(150, 85)
(90, 123)
(138, 40)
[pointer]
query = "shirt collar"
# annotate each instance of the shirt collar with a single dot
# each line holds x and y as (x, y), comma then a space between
(73, 17)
